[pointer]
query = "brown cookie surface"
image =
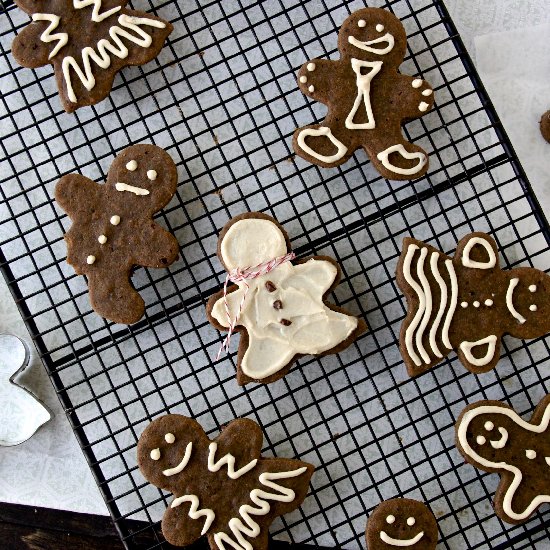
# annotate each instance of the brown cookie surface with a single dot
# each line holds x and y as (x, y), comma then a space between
(113, 228)
(367, 98)
(222, 488)
(494, 438)
(401, 522)
(87, 42)
(283, 313)
(545, 126)
(466, 303)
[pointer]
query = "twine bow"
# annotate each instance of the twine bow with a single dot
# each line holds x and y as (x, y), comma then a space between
(239, 275)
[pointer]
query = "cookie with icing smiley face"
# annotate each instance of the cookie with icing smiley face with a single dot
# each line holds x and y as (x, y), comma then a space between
(401, 523)
(368, 99)
(223, 489)
(494, 438)
(113, 228)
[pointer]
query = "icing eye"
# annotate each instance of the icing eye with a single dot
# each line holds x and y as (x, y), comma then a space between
(532, 288)
(411, 521)
(152, 174)
(530, 454)
(379, 27)
(390, 519)
(532, 307)
(155, 454)
(489, 426)
(132, 165)
(170, 438)
(481, 440)
(362, 23)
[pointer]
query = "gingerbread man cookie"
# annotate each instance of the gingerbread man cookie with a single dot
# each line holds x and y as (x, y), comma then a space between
(400, 523)
(466, 303)
(113, 228)
(223, 488)
(494, 438)
(87, 43)
(367, 99)
(279, 308)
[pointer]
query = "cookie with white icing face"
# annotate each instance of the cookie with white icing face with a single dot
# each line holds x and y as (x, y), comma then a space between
(494, 438)
(367, 98)
(223, 489)
(401, 523)
(113, 228)
(283, 313)
(87, 42)
(466, 303)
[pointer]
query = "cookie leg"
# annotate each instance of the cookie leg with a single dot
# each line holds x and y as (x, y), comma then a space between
(399, 160)
(113, 297)
(319, 145)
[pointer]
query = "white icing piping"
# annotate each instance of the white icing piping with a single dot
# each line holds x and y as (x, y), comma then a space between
(427, 306)
(46, 36)
(194, 512)
(96, 17)
(259, 497)
(468, 262)
(228, 459)
(383, 157)
(442, 305)
(467, 347)
(101, 57)
(366, 46)
(322, 131)
(500, 443)
(400, 542)
(452, 305)
(510, 301)
(363, 94)
(179, 468)
(547, 458)
(135, 190)
(518, 476)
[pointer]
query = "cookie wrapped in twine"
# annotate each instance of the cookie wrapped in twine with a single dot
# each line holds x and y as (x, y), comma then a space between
(239, 275)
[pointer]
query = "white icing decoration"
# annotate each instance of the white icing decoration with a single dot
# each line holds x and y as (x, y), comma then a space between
(96, 16)
(101, 56)
(480, 440)
(476, 304)
(442, 305)
(259, 497)
(547, 458)
(314, 327)
(311, 89)
(390, 519)
(361, 23)
(152, 174)
(379, 27)
(532, 307)
(132, 165)
(488, 302)
(155, 454)
(169, 438)
(416, 83)
(452, 305)
(228, 459)
(518, 476)
(46, 36)
(310, 66)
(510, 301)
(468, 262)
(466, 348)
(530, 454)
(489, 426)
(427, 92)
(500, 443)
(363, 94)
(400, 542)
(423, 106)
(90, 259)
(102, 239)
(303, 79)
(322, 131)
(131, 188)
(411, 521)
(383, 158)
(367, 46)
(115, 220)
(532, 288)
(464, 304)
(194, 512)
(180, 467)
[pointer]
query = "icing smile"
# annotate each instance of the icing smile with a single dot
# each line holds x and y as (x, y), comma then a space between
(367, 46)
(180, 467)
(499, 444)
(510, 301)
(400, 542)
(131, 188)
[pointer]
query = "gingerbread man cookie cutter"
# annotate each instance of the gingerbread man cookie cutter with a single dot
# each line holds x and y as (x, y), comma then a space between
(22, 414)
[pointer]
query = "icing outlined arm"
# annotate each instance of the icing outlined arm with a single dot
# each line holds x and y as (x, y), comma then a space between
(415, 100)
(314, 73)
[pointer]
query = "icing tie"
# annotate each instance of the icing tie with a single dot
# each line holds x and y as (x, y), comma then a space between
(239, 275)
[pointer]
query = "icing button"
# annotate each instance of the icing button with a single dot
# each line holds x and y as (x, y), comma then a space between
(90, 259)
(286, 322)
(270, 287)
(277, 304)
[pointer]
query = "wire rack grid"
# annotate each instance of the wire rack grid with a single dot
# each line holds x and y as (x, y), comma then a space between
(222, 99)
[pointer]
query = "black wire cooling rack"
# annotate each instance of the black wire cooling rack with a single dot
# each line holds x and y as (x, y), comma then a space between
(222, 99)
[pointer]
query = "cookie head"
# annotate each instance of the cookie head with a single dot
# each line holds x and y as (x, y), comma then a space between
(373, 34)
(250, 241)
(399, 523)
(144, 174)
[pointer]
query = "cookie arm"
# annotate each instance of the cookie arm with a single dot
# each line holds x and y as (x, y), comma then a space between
(317, 83)
(75, 193)
(416, 97)
(320, 270)
(157, 248)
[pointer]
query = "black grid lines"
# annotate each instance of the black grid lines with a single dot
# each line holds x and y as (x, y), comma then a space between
(222, 100)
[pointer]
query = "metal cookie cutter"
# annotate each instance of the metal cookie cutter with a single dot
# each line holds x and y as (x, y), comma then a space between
(21, 413)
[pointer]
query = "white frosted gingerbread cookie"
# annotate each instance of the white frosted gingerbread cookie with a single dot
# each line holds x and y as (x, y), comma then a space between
(279, 307)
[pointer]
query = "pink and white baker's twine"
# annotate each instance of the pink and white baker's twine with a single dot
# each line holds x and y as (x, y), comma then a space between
(239, 275)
